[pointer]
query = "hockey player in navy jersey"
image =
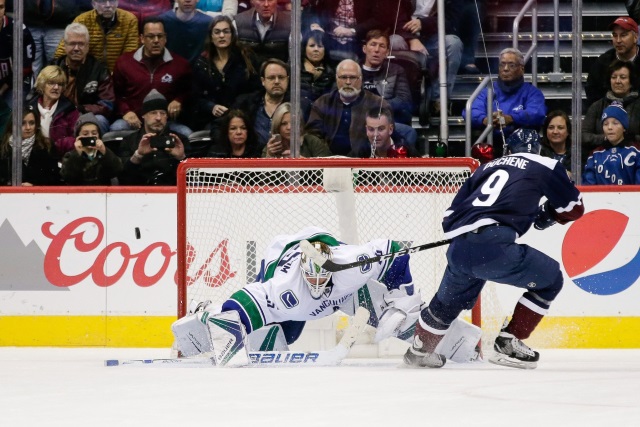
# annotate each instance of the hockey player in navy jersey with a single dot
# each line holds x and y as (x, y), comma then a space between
(291, 290)
(498, 204)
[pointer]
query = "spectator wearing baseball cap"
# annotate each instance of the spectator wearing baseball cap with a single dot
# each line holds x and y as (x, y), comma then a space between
(624, 33)
(617, 160)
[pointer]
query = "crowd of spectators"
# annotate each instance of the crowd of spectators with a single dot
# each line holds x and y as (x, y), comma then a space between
(158, 69)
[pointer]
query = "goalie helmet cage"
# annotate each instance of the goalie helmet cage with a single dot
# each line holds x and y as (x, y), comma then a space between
(229, 210)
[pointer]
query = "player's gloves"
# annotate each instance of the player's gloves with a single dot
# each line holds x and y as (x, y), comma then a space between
(544, 218)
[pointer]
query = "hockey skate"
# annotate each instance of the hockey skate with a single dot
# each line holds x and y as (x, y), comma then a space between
(418, 358)
(510, 351)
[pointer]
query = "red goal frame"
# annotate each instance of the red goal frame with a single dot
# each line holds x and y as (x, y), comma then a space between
(188, 164)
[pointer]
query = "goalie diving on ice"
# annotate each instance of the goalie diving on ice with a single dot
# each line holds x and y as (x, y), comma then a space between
(291, 289)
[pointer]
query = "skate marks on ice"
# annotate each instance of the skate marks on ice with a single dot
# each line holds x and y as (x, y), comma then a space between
(67, 387)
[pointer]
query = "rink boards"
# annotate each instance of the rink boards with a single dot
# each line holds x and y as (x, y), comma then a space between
(73, 271)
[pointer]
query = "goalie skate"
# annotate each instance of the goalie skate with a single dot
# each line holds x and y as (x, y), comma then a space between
(511, 352)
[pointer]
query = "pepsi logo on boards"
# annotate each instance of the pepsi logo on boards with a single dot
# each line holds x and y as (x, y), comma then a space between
(588, 243)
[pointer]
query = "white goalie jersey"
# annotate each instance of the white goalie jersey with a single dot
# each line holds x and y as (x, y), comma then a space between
(280, 293)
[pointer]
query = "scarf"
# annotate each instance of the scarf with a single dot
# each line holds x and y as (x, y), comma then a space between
(510, 87)
(27, 147)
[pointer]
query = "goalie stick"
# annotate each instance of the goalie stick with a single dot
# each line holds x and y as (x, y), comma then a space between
(332, 357)
(331, 266)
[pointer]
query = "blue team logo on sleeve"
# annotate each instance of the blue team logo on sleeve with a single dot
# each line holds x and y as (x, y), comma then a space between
(289, 299)
(365, 267)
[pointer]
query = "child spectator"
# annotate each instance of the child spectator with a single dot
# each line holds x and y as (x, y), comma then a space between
(616, 161)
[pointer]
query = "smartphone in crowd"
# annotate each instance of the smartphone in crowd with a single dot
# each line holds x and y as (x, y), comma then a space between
(162, 141)
(88, 141)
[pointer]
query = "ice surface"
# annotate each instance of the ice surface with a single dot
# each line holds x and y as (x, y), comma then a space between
(72, 387)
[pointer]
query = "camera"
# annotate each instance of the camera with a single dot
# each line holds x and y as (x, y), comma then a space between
(162, 141)
(88, 141)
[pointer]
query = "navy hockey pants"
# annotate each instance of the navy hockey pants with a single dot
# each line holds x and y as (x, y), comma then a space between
(491, 254)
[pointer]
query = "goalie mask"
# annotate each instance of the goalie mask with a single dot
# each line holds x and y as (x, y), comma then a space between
(313, 275)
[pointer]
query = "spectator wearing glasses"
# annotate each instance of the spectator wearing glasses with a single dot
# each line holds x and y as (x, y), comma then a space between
(260, 105)
(89, 83)
(56, 113)
(224, 71)
(516, 104)
(112, 31)
(338, 117)
(152, 66)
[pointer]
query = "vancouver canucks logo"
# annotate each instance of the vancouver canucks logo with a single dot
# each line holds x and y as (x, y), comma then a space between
(364, 268)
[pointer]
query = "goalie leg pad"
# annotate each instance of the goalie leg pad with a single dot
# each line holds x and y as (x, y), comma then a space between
(460, 343)
(269, 338)
(219, 336)
(192, 337)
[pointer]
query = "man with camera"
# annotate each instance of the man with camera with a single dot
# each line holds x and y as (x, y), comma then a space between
(152, 154)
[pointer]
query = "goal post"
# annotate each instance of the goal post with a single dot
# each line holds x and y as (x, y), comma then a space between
(229, 210)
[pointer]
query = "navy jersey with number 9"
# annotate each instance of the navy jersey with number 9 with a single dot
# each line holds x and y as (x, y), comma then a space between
(508, 191)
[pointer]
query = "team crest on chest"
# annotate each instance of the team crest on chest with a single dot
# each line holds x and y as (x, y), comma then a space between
(364, 267)
(91, 87)
(167, 78)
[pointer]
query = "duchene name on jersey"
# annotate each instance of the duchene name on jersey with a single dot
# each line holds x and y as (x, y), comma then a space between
(276, 357)
(517, 162)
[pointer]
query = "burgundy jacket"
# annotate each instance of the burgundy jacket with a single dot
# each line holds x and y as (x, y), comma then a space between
(62, 128)
(132, 81)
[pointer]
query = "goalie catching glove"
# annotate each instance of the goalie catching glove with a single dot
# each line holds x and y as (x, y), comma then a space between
(400, 313)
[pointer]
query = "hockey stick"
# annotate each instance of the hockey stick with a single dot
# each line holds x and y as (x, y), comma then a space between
(331, 266)
(332, 357)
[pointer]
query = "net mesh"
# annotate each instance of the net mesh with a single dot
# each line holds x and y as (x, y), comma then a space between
(231, 211)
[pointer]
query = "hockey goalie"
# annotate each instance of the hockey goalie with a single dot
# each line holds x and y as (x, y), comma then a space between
(291, 289)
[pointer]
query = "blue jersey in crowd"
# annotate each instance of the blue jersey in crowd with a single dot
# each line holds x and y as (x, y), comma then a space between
(619, 165)
(508, 191)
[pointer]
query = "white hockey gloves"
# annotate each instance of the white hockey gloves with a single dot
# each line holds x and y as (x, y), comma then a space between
(400, 312)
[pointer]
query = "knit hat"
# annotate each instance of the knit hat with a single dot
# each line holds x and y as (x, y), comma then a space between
(154, 101)
(617, 112)
(625, 23)
(84, 119)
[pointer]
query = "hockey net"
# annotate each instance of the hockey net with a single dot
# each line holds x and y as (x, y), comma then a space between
(229, 210)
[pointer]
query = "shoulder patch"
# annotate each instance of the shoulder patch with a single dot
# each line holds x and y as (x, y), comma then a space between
(289, 299)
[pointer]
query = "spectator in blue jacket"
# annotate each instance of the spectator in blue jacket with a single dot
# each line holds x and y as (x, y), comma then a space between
(616, 162)
(515, 103)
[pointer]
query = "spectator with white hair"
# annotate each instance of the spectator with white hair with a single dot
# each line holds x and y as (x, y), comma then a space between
(89, 83)
(338, 117)
(516, 104)
(113, 31)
